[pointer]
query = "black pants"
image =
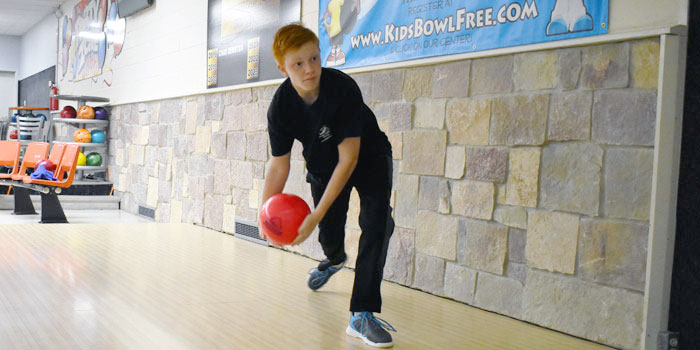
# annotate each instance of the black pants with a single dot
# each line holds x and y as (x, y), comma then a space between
(373, 183)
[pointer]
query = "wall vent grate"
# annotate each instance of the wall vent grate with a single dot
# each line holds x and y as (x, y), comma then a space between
(248, 231)
(147, 212)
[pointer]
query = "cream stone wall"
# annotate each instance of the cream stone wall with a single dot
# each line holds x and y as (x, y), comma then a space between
(522, 182)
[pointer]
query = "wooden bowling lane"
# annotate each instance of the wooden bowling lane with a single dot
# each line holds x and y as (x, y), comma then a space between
(178, 286)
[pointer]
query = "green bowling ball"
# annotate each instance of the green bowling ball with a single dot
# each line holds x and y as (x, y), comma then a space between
(94, 159)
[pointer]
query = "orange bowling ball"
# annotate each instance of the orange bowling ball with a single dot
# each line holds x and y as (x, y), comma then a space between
(82, 135)
(86, 112)
(280, 217)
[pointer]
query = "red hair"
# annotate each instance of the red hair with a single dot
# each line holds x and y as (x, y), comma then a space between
(291, 37)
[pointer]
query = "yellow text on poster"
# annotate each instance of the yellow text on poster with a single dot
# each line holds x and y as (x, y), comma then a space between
(253, 61)
(212, 62)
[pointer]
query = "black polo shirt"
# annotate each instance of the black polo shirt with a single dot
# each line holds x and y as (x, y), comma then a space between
(338, 113)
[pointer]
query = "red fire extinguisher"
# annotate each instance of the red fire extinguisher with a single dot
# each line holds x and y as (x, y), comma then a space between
(53, 91)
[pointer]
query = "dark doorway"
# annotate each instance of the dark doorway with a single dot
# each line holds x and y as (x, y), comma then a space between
(685, 285)
(34, 90)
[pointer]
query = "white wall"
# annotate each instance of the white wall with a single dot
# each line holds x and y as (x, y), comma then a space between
(38, 47)
(633, 15)
(8, 93)
(9, 53)
(9, 65)
(164, 51)
(164, 55)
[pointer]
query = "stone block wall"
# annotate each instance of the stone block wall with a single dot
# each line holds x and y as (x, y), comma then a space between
(522, 182)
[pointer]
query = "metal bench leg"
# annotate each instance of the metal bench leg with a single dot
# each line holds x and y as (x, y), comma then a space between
(23, 204)
(51, 210)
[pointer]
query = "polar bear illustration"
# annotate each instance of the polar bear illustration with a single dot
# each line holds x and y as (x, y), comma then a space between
(569, 16)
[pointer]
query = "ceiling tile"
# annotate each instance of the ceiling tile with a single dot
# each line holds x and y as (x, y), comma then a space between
(19, 16)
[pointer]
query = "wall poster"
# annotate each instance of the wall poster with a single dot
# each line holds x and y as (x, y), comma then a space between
(90, 37)
(239, 39)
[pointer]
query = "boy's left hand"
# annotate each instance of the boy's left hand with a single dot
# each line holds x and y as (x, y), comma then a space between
(308, 226)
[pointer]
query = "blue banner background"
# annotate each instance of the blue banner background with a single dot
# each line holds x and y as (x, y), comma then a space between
(376, 36)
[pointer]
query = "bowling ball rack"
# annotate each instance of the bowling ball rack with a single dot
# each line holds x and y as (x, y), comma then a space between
(85, 175)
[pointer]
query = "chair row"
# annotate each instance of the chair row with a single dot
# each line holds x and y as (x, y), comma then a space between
(66, 158)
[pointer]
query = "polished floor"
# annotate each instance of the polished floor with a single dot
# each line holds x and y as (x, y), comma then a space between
(76, 217)
(176, 286)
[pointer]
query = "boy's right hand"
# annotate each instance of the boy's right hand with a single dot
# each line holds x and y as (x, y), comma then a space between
(274, 182)
(260, 231)
(262, 235)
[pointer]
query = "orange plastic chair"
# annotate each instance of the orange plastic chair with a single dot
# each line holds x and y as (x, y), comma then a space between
(35, 152)
(56, 153)
(9, 157)
(65, 171)
(55, 156)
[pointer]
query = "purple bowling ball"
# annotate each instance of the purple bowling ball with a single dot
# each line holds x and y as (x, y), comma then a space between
(101, 113)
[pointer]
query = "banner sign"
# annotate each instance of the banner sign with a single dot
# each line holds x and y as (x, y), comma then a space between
(357, 33)
(239, 39)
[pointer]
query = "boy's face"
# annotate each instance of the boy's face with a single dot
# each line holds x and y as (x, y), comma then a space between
(303, 67)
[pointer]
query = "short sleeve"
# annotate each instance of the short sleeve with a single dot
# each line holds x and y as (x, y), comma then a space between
(351, 116)
(281, 138)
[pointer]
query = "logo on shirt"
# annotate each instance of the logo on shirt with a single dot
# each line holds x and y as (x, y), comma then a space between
(325, 134)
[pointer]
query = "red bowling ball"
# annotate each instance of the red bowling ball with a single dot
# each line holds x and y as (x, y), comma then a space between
(48, 164)
(280, 217)
(68, 112)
